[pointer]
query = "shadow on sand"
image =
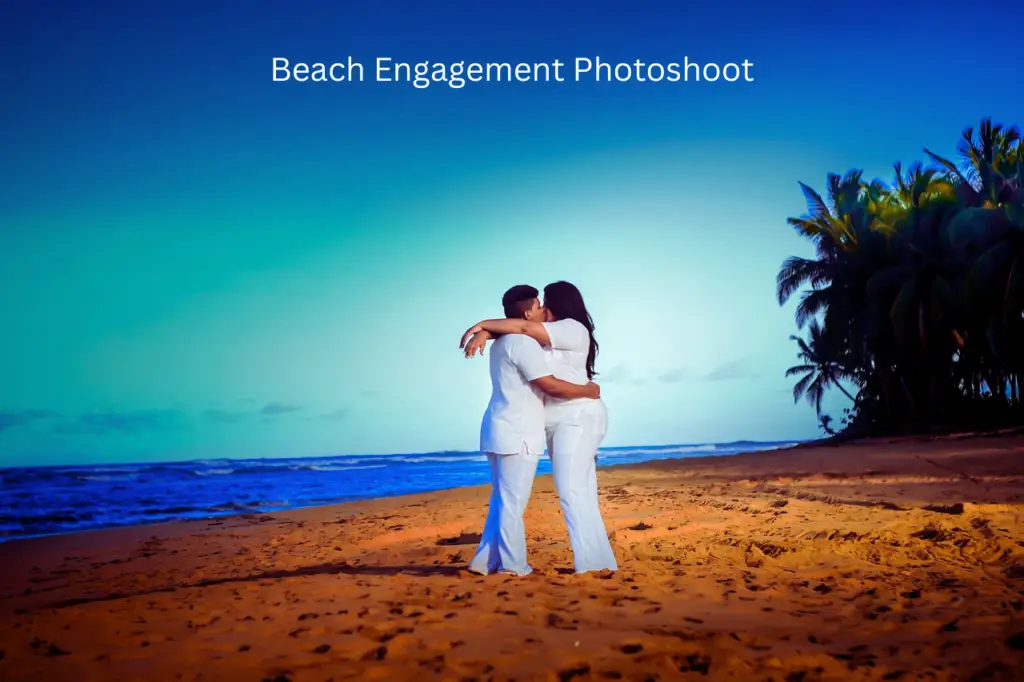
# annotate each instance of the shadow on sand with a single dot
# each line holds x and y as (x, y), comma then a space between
(337, 568)
(463, 539)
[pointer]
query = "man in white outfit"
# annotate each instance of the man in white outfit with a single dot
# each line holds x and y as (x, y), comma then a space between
(512, 434)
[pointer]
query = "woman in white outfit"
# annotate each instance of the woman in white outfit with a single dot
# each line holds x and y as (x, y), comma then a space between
(575, 428)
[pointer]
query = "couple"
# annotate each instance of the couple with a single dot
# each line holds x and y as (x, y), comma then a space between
(542, 363)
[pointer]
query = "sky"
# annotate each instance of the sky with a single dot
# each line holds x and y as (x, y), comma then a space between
(199, 262)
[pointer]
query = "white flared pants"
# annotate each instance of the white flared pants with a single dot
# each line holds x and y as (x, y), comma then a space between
(503, 542)
(575, 431)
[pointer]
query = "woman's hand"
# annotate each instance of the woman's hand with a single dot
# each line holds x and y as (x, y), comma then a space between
(477, 344)
(472, 331)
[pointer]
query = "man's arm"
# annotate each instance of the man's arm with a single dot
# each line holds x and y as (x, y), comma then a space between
(564, 390)
(535, 330)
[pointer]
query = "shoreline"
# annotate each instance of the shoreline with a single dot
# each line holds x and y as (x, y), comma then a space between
(782, 445)
(866, 561)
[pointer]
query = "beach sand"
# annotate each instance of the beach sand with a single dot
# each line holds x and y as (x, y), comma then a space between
(885, 560)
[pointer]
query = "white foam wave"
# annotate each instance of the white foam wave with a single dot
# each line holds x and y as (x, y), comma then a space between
(114, 470)
(658, 451)
(417, 460)
(213, 472)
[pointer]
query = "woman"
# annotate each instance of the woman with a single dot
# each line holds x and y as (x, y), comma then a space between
(575, 428)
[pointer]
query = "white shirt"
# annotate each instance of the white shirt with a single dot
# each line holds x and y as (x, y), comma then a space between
(515, 415)
(567, 354)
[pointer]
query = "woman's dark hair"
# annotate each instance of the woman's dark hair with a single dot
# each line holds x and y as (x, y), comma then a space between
(565, 302)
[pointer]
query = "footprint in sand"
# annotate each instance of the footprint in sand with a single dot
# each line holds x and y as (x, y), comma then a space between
(377, 654)
(46, 648)
(582, 670)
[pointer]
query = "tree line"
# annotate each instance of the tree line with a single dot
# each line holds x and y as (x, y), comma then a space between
(913, 305)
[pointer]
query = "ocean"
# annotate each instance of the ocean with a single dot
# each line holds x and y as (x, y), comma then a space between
(39, 501)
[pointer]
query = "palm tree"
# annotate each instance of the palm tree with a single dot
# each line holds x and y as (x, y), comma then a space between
(829, 228)
(916, 290)
(992, 228)
(986, 160)
(820, 369)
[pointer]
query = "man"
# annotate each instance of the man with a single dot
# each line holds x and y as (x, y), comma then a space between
(512, 434)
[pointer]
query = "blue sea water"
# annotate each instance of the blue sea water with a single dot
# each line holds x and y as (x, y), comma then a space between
(36, 501)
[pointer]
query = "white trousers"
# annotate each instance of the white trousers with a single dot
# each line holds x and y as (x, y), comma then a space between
(503, 542)
(575, 432)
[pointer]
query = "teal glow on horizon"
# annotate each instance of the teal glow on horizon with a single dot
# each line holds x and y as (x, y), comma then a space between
(206, 266)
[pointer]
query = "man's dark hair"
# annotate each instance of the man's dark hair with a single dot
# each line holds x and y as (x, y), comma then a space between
(516, 300)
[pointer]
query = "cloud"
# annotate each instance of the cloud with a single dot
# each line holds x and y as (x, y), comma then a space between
(733, 370)
(333, 416)
(134, 421)
(675, 376)
(269, 412)
(224, 416)
(337, 414)
(615, 374)
(729, 371)
(620, 375)
(76, 428)
(11, 418)
(274, 409)
(121, 422)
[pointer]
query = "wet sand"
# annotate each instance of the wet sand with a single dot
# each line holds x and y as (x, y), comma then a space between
(897, 560)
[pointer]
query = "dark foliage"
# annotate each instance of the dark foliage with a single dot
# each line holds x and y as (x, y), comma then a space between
(914, 302)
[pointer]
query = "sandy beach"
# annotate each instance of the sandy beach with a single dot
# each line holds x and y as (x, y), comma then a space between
(884, 560)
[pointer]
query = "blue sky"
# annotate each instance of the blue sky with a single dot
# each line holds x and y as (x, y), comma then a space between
(200, 262)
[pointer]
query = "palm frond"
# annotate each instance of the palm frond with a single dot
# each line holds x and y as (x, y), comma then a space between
(811, 304)
(800, 389)
(796, 273)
